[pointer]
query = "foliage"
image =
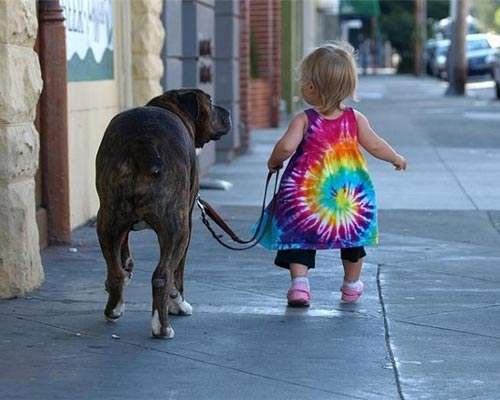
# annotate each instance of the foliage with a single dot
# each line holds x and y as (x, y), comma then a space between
(397, 24)
(488, 14)
(436, 10)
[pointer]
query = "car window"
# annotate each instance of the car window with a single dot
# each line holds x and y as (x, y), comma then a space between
(480, 44)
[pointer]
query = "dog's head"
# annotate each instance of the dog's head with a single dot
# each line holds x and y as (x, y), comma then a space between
(195, 107)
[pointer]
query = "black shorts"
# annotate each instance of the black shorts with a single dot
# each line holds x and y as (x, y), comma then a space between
(308, 257)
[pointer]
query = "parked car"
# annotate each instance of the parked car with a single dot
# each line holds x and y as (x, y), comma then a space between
(481, 54)
(496, 74)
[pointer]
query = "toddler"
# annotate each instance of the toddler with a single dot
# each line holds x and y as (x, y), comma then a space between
(326, 199)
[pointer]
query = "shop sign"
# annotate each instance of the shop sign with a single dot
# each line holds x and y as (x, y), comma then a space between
(89, 39)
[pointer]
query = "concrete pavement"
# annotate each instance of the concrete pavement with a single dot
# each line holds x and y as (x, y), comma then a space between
(427, 327)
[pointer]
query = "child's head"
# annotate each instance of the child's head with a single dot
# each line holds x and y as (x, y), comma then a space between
(328, 76)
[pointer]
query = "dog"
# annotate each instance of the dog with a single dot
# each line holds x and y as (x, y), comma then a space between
(147, 174)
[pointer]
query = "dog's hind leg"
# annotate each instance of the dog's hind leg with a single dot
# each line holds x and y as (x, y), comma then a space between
(111, 236)
(127, 260)
(173, 239)
(177, 303)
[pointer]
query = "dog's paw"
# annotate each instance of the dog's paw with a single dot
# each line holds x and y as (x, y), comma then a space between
(178, 306)
(158, 331)
(115, 313)
(128, 279)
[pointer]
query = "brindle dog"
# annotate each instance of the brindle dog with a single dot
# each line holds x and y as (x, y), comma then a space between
(146, 173)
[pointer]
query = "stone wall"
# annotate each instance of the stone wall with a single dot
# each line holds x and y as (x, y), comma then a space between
(20, 86)
(147, 43)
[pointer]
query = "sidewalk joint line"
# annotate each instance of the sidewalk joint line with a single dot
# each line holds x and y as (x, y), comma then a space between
(483, 307)
(455, 177)
(490, 218)
(402, 321)
(388, 337)
(473, 278)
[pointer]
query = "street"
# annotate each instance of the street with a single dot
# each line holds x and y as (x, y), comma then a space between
(426, 327)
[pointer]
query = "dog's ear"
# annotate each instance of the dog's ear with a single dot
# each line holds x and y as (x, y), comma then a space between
(188, 102)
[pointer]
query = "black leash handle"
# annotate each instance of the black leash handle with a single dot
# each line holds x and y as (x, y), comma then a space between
(259, 232)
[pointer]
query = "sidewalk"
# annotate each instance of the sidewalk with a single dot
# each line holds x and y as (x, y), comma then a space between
(427, 327)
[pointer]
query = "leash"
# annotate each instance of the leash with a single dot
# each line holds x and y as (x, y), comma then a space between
(207, 211)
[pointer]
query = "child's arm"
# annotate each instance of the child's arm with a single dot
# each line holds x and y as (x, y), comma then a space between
(287, 145)
(377, 146)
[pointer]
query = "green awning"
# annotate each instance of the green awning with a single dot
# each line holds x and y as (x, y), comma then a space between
(359, 8)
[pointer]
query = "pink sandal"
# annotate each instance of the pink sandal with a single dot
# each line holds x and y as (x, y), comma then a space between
(298, 296)
(351, 295)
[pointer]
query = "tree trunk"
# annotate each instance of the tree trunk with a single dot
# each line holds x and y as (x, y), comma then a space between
(457, 65)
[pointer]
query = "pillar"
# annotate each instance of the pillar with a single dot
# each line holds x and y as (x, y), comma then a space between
(20, 86)
(147, 43)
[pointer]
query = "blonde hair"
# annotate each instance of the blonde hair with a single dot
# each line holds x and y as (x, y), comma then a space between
(331, 69)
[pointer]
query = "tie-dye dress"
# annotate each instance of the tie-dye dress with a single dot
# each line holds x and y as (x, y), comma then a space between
(326, 198)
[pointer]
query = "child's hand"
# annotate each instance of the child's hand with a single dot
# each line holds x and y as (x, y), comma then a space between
(271, 164)
(399, 163)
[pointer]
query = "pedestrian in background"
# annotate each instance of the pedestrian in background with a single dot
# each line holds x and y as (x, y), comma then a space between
(326, 199)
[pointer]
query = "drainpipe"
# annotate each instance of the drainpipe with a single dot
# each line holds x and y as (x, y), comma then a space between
(54, 120)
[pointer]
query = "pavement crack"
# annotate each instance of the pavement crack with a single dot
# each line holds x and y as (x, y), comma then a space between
(388, 337)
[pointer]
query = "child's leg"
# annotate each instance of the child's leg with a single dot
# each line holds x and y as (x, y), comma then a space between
(298, 270)
(352, 270)
(352, 260)
(298, 262)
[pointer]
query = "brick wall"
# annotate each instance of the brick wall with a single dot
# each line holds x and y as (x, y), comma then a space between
(244, 59)
(265, 27)
(275, 58)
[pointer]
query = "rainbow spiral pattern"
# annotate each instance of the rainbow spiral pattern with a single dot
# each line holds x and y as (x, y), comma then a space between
(326, 198)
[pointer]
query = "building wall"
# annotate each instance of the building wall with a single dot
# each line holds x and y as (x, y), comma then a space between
(91, 105)
(227, 77)
(138, 69)
(172, 49)
(189, 26)
(198, 23)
